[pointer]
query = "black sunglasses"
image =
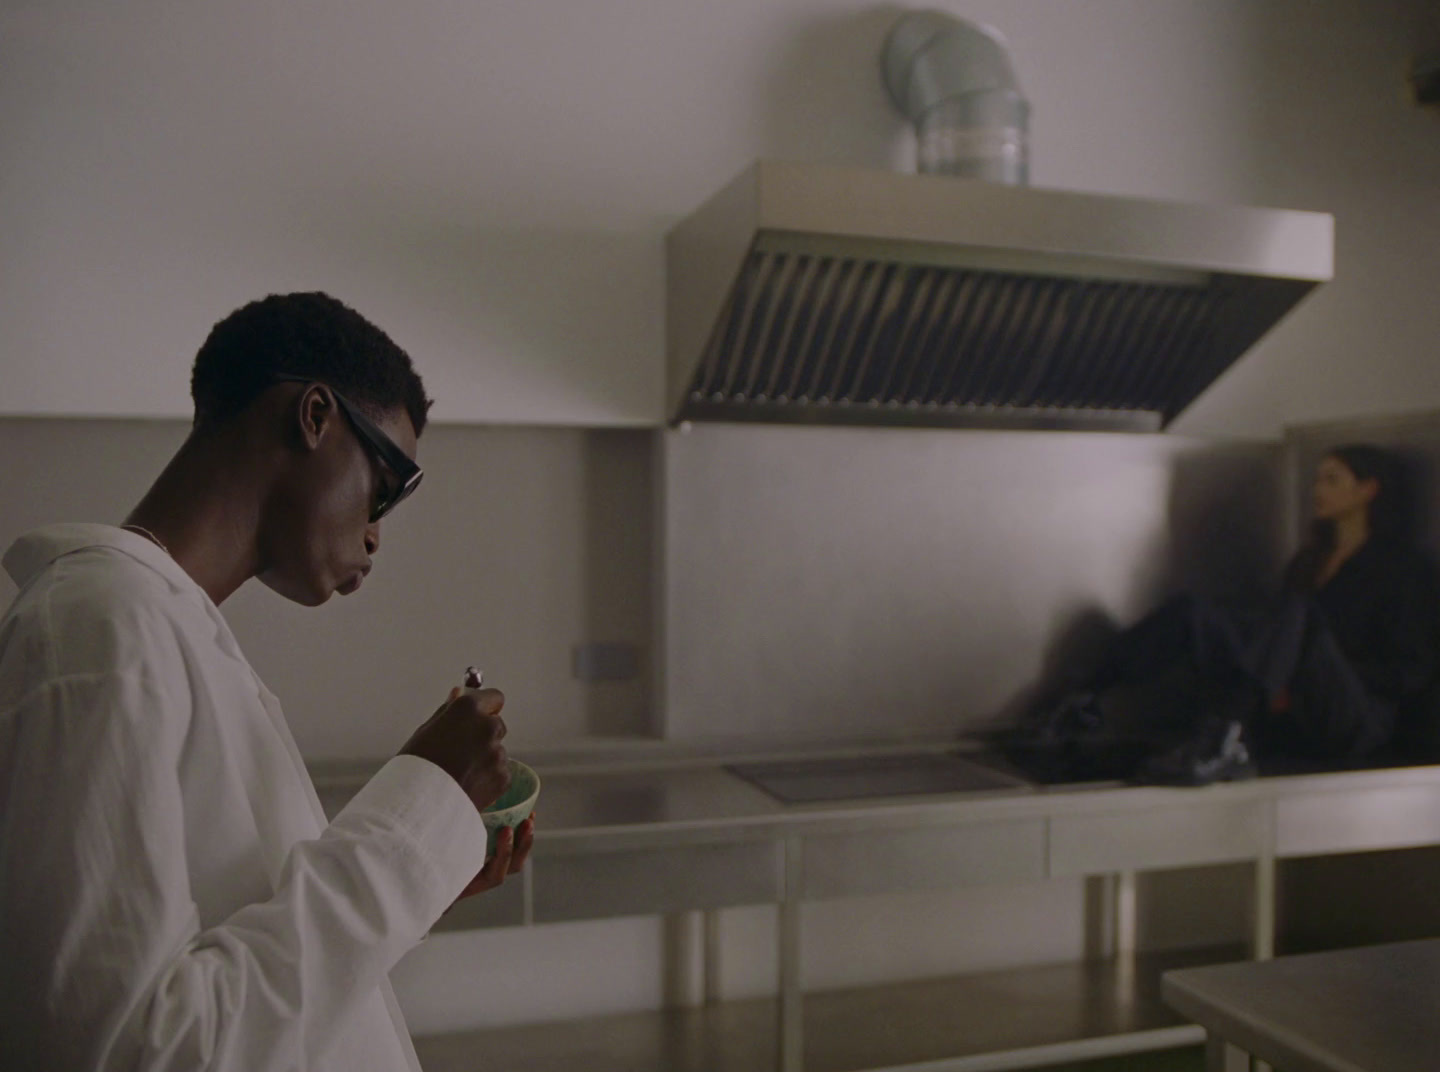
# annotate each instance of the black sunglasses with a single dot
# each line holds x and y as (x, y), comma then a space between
(380, 445)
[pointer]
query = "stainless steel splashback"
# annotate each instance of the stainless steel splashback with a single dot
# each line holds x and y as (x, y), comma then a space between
(842, 583)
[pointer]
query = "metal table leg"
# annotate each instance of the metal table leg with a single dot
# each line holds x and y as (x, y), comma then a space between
(712, 956)
(1262, 939)
(1126, 929)
(684, 965)
(1221, 1056)
(792, 1026)
(1127, 913)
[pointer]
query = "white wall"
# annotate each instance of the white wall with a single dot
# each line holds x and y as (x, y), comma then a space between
(491, 181)
(522, 543)
(1329, 127)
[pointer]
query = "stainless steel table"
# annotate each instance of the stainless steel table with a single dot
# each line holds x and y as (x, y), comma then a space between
(1375, 1009)
(660, 831)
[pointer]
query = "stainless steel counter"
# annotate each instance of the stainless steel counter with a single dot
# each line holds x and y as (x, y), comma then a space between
(1357, 1010)
(658, 835)
(656, 799)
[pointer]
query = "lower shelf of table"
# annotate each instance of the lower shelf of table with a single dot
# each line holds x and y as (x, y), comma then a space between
(982, 1022)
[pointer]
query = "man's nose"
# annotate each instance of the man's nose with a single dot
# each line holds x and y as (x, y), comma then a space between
(372, 537)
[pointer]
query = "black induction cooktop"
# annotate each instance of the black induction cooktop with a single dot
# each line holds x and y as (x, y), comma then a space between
(811, 781)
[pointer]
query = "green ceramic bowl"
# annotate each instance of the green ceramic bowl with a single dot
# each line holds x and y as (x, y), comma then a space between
(514, 805)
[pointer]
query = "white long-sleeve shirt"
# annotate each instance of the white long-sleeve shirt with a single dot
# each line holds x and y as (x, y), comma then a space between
(171, 896)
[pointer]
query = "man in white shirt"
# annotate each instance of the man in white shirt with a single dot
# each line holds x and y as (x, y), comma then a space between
(171, 895)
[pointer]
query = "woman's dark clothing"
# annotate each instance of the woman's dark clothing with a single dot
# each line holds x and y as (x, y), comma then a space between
(1348, 656)
(1380, 608)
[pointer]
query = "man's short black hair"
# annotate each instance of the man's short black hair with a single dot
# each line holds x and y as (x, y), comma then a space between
(308, 334)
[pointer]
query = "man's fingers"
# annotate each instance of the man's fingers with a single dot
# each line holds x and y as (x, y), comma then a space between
(524, 842)
(512, 849)
(454, 695)
(494, 726)
(498, 865)
(489, 701)
(500, 768)
(484, 709)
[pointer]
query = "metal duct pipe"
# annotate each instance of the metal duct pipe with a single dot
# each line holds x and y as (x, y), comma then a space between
(954, 80)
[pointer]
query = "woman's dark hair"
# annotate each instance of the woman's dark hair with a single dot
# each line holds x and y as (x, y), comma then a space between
(1367, 462)
(309, 334)
(1386, 513)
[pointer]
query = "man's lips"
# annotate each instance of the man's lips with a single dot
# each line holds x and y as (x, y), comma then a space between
(353, 582)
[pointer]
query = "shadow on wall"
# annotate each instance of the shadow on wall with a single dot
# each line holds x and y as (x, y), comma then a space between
(1417, 504)
(1072, 653)
(1224, 540)
(825, 101)
(1227, 526)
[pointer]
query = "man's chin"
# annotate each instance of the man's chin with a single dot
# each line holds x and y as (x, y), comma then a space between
(350, 585)
(305, 596)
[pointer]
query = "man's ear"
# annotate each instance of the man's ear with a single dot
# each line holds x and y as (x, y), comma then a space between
(315, 414)
(1370, 489)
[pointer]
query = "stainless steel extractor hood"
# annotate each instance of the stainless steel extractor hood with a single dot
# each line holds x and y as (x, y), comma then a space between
(822, 294)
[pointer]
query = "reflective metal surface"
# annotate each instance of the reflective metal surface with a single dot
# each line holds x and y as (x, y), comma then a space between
(1156, 838)
(637, 882)
(837, 582)
(854, 339)
(1371, 1009)
(1389, 818)
(580, 801)
(955, 81)
(905, 299)
(812, 780)
(846, 865)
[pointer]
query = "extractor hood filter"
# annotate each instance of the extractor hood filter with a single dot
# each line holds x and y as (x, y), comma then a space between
(833, 295)
(850, 338)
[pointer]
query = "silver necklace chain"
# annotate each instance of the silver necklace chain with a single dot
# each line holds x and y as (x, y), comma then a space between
(143, 531)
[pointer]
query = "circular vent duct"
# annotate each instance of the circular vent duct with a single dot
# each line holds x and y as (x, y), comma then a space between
(954, 80)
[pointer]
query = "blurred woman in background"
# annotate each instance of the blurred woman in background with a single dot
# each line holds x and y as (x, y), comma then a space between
(1321, 674)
